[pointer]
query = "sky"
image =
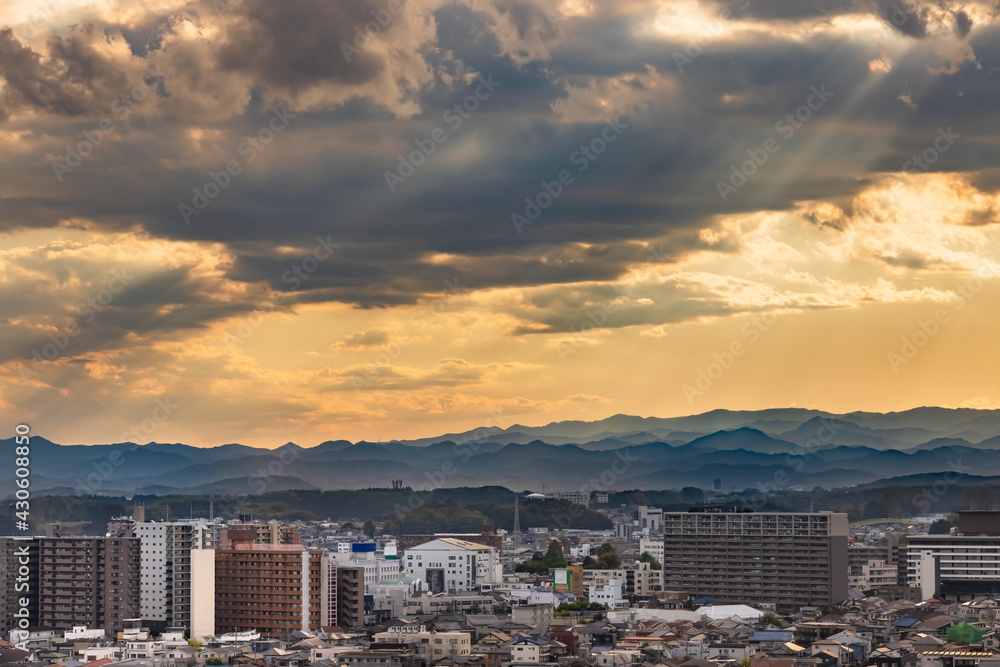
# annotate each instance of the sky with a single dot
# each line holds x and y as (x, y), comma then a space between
(258, 222)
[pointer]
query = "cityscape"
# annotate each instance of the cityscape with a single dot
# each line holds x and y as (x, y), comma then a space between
(499, 333)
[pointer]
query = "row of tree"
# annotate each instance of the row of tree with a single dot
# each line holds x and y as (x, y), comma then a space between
(606, 559)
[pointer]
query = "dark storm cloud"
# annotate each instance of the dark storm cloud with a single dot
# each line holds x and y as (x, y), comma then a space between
(528, 16)
(908, 18)
(97, 318)
(75, 79)
(297, 44)
(787, 9)
(963, 23)
(325, 174)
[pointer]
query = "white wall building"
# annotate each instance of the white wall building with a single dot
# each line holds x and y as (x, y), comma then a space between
(578, 497)
(430, 646)
(449, 565)
(654, 545)
(931, 559)
(376, 570)
(609, 592)
(80, 632)
(177, 574)
(651, 520)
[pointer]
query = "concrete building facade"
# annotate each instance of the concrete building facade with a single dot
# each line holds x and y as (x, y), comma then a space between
(452, 566)
(178, 574)
(947, 565)
(269, 588)
(788, 559)
(91, 581)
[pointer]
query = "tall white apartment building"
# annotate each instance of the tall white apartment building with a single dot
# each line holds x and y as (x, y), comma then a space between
(177, 574)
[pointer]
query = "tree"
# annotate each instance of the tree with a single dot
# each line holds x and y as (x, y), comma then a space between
(646, 557)
(609, 561)
(213, 661)
(875, 510)
(770, 619)
(554, 556)
(369, 529)
(940, 527)
(965, 633)
(692, 495)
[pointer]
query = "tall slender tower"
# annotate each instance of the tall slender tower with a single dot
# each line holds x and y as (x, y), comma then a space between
(517, 523)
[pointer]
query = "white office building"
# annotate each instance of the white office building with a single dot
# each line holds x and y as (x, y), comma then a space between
(449, 565)
(177, 575)
(651, 520)
(964, 561)
(609, 592)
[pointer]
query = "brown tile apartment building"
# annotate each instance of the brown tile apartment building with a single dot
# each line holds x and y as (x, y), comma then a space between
(91, 581)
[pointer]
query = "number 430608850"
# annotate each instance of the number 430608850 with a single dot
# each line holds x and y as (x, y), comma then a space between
(22, 471)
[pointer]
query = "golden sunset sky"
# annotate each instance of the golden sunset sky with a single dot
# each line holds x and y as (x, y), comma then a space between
(812, 184)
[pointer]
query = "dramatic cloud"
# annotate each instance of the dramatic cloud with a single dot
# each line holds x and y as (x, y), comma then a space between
(354, 218)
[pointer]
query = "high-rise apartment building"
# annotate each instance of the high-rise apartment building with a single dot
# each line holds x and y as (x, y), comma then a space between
(258, 533)
(178, 574)
(91, 581)
(350, 596)
(269, 588)
(789, 559)
(18, 579)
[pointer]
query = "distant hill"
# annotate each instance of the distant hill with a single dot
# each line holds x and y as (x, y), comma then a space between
(734, 448)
